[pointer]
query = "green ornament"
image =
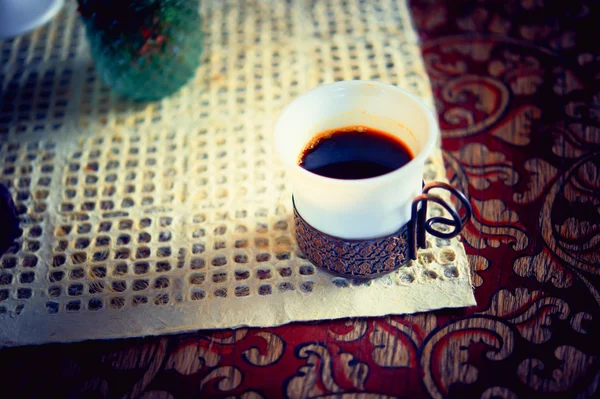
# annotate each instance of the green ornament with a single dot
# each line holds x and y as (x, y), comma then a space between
(144, 49)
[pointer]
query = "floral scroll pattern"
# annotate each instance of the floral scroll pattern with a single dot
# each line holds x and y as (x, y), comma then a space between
(517, 89)
(522, 137)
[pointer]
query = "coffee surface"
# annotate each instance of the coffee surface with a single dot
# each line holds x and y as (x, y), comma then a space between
(354, 153)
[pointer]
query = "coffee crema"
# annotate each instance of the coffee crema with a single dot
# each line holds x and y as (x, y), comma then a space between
(354, 152)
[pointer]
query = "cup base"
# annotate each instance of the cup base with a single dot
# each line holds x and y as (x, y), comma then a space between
(354, 259)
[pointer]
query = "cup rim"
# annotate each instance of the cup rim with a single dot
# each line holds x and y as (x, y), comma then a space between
(385, 178)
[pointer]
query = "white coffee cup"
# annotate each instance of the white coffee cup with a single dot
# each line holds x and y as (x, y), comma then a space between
(363, 208)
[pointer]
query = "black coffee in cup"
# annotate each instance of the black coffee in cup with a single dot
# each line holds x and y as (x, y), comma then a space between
(354, 152)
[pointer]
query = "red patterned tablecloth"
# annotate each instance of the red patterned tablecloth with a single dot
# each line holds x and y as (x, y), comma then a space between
(518, 95)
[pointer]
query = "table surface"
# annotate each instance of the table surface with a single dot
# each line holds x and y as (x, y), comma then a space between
(517, 88)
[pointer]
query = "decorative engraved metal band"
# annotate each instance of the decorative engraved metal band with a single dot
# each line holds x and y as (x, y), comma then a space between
(353, 258)
(378, 256)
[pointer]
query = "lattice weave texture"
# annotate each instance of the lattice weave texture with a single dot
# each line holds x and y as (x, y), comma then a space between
(176, 216)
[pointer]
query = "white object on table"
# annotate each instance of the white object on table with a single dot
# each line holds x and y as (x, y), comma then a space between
(363, 208)
(22, 16)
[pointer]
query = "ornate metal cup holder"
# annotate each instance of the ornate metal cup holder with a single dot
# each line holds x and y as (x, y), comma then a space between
(370, 258)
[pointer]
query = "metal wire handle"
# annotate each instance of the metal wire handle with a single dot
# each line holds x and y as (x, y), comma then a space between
(419, 224)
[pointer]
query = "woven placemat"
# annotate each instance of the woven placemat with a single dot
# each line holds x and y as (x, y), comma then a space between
(176, 216)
